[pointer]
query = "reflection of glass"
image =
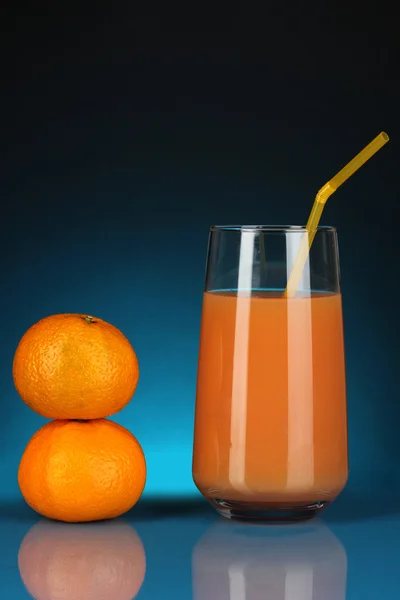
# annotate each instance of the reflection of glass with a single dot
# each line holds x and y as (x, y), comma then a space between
(82, 562)
(270, 431)
(304, 562)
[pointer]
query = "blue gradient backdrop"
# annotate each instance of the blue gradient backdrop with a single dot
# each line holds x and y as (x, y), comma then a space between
(118, 159)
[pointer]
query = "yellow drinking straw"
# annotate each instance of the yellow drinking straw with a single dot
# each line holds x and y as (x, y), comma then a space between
(319, 203)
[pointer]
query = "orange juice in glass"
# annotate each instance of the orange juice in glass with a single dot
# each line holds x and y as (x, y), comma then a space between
(270, 439)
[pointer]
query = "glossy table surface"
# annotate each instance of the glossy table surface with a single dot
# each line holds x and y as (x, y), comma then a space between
(181, 549)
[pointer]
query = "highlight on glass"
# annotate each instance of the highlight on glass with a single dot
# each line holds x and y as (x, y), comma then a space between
(270, 439)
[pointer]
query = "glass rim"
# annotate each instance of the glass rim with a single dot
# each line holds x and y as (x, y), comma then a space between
(270, 228)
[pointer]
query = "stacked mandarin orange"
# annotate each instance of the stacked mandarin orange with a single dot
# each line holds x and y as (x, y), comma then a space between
(77, 370)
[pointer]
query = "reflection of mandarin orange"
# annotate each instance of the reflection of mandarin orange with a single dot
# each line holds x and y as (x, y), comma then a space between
(71, 366)
(82, 562)
(82, 471)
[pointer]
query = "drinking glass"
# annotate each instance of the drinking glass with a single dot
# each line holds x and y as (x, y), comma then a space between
(270, 436)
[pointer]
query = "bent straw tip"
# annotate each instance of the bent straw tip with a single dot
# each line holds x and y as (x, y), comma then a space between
(385, 136)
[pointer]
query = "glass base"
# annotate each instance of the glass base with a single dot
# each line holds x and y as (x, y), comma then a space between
(267, 512)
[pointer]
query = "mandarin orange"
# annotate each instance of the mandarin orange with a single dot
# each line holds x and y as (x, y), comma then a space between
(82, 471)
(72, 366)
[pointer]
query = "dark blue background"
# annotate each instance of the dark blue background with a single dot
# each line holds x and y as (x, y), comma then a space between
(125, 139)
